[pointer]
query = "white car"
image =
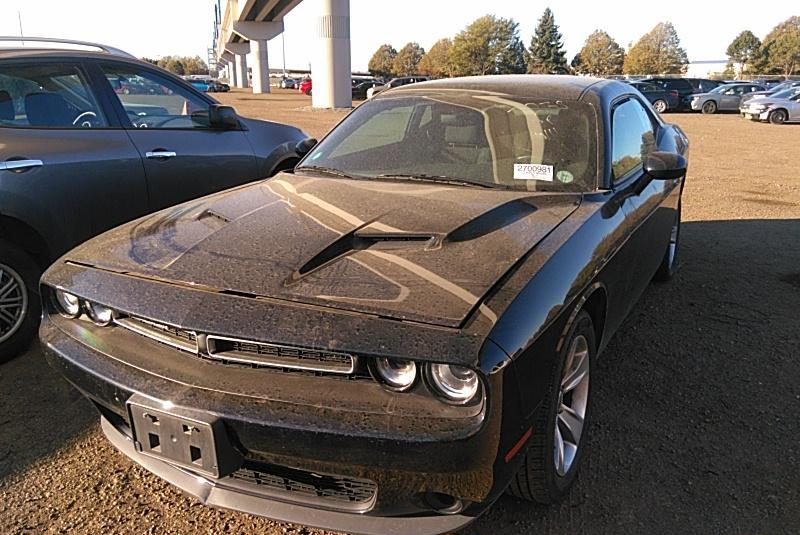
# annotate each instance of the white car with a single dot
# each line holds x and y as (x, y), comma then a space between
(782, 107)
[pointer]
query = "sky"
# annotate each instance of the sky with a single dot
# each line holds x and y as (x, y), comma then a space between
(155, 28)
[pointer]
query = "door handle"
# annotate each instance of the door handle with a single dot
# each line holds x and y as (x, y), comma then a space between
(160, 154)
(19, 165)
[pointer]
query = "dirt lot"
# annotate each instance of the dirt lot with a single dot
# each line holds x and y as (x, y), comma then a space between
(697, 412)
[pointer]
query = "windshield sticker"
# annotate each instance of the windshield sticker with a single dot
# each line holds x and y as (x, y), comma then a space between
(565, 177)
(532, 171)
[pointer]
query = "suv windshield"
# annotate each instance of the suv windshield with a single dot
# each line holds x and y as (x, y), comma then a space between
(474, 137)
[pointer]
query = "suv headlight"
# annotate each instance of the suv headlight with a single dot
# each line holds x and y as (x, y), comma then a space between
(455, 383)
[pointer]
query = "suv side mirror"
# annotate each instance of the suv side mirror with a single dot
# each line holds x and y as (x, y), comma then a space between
(665, 165)
(304, 147)
(222, 117)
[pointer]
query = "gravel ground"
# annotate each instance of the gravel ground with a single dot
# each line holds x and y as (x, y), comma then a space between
(697, 403)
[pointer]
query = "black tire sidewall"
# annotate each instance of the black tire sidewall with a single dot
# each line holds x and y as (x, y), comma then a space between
(776, 113)
(29, 271)
(711, 106)
(556, 484)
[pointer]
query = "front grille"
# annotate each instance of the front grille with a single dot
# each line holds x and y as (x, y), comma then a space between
(165, 334)
(279, 356)
(330, 491)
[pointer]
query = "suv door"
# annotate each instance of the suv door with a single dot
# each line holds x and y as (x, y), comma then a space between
(184, 158)
(70, 171)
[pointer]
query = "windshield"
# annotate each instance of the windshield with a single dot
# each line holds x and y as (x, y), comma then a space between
(476, 137)
(787, 93)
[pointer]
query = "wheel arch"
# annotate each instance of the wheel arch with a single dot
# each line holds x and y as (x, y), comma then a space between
(26, 237)
(594, 301)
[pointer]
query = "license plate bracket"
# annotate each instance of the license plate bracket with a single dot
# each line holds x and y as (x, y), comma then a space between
(192, 439)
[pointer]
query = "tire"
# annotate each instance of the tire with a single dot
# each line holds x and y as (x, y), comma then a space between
(709, 107)
(660, 105)
(777, 116)
(19, 297)
(540, 479)
(669, 263)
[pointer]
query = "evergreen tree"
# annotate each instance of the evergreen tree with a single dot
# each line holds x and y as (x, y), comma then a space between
(546, 54)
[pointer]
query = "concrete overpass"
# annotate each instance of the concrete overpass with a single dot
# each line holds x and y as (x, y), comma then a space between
(245, 26)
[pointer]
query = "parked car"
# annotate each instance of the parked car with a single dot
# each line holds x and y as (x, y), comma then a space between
(686, 87)
(778, 108)
(395, 82)
(215, 86)
(360, 90)
(770, 90)
(288, 83)
(201, 85)
(77, 158)
(433, 283)
(305, 86)
(723, 98)
(663, 100)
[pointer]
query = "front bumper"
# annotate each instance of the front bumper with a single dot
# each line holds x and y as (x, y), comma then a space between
(217, 494)
(696, 105)
(407, 458)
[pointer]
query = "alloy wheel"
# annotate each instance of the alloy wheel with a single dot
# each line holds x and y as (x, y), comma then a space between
(660, 106)
(13, 302)
(573, 400)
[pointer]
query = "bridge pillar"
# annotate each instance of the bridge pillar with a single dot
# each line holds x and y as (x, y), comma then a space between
(260, 56)
(331, 70)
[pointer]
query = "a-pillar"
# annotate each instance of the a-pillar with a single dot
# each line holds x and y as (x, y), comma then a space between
(331, 71)
(258, 49)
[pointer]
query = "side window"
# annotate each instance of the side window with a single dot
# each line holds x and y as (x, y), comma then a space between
(47, 95)
(633, 137)
(153, 101)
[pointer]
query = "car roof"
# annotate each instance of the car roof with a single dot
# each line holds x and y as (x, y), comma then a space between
(523, 85)
(59, 53)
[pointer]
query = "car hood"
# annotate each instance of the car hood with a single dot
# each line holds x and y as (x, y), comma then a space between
(421, 252)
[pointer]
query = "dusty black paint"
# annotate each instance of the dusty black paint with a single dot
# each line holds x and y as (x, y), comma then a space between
(493, 285)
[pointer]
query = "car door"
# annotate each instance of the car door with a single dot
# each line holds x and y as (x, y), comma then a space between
(729, 100)
(649, 205)
(794, 107)
(66, 165)
(184, 158)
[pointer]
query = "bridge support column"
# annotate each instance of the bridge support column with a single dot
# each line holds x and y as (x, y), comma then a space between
(331, 70)
(258, 49)
(241, 66)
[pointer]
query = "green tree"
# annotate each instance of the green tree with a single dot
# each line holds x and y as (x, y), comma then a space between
(659, 51)
(183, 65)
(436, 62)
(743, 51)
(407, 60)
(600, 56)
(382, 61)
(780, 48)
(489, 45)
(546, 53)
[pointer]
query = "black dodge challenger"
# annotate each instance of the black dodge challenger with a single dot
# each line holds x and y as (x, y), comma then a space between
(399, 331)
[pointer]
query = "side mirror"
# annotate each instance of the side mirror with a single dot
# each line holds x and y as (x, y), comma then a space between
(665, 165)
(304, 147)
(222, 117)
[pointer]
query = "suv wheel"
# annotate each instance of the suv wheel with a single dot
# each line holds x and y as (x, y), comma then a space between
(660, 105)
(20, 307)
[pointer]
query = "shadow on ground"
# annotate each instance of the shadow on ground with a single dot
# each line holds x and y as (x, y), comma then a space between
(696, 410)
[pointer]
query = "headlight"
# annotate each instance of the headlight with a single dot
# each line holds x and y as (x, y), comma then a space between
(99, 314)
(68, 305)
(455, 383)
(396, 374)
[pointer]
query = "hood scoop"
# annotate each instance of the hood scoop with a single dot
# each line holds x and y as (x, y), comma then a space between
(359, 240)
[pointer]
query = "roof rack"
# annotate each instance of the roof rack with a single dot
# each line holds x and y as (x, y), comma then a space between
(103, 48)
